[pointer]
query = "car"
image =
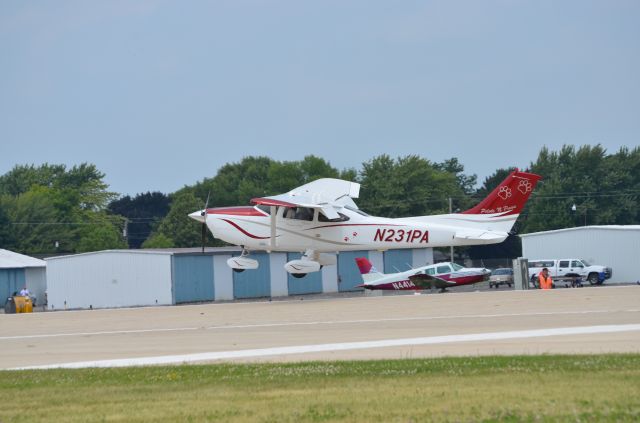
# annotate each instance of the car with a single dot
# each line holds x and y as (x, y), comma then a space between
(500, 277)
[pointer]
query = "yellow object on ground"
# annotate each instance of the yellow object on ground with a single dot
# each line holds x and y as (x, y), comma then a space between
(23, 304)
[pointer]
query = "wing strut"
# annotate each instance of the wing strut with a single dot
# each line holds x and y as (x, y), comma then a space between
(272, 211)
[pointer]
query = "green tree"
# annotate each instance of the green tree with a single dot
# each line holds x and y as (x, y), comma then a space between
(158, 240)
(101, 234)
(177, 226)
(50, 207)
(143, 212)
(6, 234)
(408, 186)
(601, 187)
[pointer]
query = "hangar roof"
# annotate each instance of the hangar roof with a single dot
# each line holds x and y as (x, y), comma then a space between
(583, 228)
(162, 251)
(11, 260)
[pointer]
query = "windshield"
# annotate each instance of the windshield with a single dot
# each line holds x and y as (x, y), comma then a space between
(585, 262)
(501, 271)
(264, 208)
(456, 266)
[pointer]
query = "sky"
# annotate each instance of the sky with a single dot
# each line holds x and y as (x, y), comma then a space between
(161, 94)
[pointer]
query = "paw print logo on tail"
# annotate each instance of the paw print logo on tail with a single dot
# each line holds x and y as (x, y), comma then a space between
(524, 186)
(504, 192)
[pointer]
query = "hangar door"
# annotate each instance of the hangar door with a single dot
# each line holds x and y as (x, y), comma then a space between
(193, 278)
(310, 284)
(11, 280)
(398, 260)
(254, 283)
(348, 273)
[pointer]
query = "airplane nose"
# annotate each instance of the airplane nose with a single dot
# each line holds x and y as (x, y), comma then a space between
(197, 215)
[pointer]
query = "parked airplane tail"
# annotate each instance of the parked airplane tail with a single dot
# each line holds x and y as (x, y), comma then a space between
(368, 272)
(509, 197)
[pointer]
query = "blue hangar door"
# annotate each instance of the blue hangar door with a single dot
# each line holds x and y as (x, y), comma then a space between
(193, 278)
(398, 260)
(348, 273)
(11, 280)
(254, 283)
(310, 284)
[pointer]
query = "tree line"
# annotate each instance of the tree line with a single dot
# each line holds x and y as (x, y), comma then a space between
(54, 209)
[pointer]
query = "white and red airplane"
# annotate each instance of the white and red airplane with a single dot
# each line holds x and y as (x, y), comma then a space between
(320, 219)
(439, 275)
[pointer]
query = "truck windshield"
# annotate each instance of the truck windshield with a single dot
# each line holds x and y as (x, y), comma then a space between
(586, 264)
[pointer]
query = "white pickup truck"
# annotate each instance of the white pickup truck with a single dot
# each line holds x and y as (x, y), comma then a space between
(568, 268)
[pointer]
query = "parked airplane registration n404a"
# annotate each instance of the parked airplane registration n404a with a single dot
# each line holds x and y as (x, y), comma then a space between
(440, 275)
(320, 219)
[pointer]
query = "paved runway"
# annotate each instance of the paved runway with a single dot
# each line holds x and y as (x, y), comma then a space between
(587, 320)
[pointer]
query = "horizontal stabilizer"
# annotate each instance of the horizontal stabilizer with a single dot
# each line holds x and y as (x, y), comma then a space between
(480, 235)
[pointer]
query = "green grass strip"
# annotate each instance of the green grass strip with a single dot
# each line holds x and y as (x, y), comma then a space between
(502, 388)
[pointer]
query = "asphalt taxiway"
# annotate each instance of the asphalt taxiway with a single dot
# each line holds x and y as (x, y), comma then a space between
(583, 321)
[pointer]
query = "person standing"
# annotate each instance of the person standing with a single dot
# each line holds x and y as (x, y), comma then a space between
(544, 280)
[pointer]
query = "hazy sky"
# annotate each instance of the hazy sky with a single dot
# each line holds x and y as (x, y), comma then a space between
(159, 94)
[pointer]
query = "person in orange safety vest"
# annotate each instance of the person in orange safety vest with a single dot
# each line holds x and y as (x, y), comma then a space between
(544, 280)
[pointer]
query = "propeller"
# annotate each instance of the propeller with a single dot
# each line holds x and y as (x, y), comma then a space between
(203, 213)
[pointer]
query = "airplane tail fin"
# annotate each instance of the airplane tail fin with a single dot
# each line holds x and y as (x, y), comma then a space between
(368, 272)
(492, 219)
(509, 197)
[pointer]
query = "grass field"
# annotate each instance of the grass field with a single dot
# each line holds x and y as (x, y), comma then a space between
(522, 388)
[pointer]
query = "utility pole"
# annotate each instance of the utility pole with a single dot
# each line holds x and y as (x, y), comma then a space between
(451, 211)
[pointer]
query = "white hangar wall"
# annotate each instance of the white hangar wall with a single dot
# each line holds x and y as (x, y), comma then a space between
(109, 279)
(128, 278)
(616, 246)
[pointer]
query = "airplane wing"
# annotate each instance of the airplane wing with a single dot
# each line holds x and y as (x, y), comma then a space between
(321, 194)
(427, 281)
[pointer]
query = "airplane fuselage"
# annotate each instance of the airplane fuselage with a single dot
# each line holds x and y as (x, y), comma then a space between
(401, 282)
(250, 226)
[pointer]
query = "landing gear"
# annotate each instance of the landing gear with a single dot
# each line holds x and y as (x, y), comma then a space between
(299, 275)
(242, 262)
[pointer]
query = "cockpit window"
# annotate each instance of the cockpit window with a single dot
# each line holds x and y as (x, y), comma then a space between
(456, 266)
(443, 269)
(299, 213)
(323, 218)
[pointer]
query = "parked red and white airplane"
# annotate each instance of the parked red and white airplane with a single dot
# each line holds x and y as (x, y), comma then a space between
(439, 275)
(320, 218)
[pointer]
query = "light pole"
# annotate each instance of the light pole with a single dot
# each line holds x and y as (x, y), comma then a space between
(574, 208)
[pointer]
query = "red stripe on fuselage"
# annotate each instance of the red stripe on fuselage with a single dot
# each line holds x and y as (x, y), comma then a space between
(237, 211)
(235, 225)
(354, 224)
